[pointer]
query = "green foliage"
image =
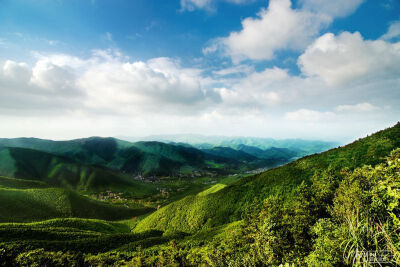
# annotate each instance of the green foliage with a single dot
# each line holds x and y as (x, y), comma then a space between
(19, 205)
(228, 204)
(364, 216)
(21, 184)
(211, 190)
(321, 210)
(65, 162)
(40, 257)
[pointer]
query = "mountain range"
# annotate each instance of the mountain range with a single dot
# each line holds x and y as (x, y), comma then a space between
(203, 141)
(302, 212)
(32, 158)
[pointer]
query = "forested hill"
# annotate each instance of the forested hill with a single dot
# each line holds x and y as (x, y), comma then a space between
(207, 142)
(327, 209)
(229, 204)
(141, 158)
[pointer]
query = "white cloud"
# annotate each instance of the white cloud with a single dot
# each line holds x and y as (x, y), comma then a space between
(109, 94)
(349, 58)
(393, 31)
(308, 115)
(62, 60)
(277, 28)
(191, 5)
(105, 82)
(28, 91)
(210, 49)
(18, 72)
(280, 27)
(256, 92)
(361, 107)
(52, 77)
(159, 84)
(239, 69)
(336, 8)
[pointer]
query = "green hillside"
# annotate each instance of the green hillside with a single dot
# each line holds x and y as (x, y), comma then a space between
(321, 210)
(19, 205)
(231, 153)
(270, 153)
(6, 182)
(156, 158)
(144, 158)
(196, 212)
(62, 171)
(207, 142)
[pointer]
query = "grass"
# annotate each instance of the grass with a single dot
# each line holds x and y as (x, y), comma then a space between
(78, 224)
(211, 190)
(21, 184)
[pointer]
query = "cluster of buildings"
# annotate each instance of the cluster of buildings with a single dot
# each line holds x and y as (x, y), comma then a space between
(109, 195)
(155, 179)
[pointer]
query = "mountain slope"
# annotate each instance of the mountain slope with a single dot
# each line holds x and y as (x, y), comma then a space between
(40, 203)
(231, 153)
(145, 158)
(206, 142)
(270, 153)
(195, 212)
(64, 172)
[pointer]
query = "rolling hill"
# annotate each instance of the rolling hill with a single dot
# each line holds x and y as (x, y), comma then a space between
(230, 203)
(61, 171)
(315, 211)
(231, 153)
(144, 158)
(270, 153)
(24, 200)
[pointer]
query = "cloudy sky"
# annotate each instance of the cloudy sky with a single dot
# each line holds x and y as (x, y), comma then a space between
(316, 69)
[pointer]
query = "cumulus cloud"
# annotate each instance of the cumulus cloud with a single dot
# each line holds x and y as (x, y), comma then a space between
(272, 90)
(105, 82)
(280, 27)
(308, 115)
(393, 31)
(257, 91)
(52, 77)
(277, 28)
(338, 84)
(239, 69)
(361, 107)
(18, 72)
(337, 8)
(349, 58)
(150, 85)
(43, 87)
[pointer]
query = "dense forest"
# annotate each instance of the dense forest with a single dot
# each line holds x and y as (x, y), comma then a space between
(336, 208)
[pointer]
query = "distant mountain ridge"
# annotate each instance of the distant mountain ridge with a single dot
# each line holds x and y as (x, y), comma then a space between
(207, 142)
(32, 158)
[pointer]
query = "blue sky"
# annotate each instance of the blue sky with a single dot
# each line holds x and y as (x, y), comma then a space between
(145, 29)
(280, 68)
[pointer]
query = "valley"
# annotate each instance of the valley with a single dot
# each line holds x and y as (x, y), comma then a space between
(80, 203)
(212, 133)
